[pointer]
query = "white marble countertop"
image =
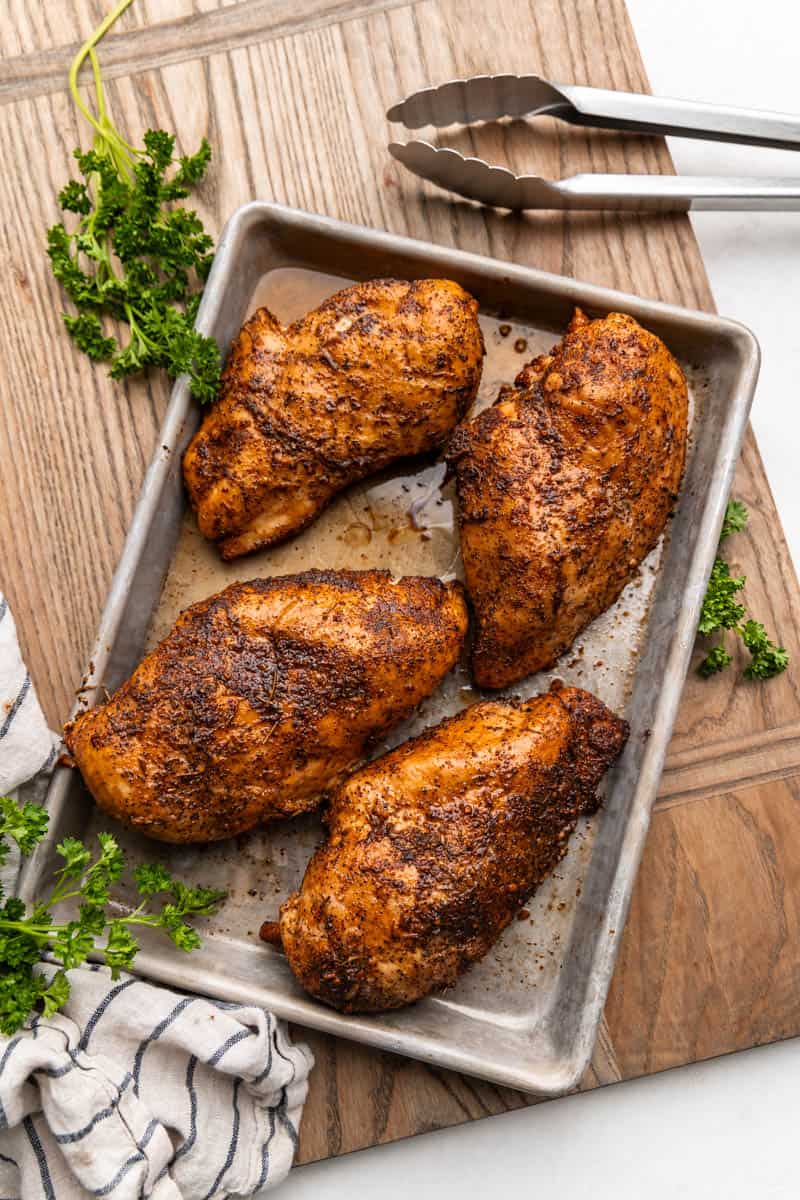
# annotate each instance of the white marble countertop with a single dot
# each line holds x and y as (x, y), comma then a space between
(727, 1127)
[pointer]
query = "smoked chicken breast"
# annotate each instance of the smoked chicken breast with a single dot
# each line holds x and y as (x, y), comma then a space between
(380, 371)
(564, 486)
(263, 697)
(433, 848)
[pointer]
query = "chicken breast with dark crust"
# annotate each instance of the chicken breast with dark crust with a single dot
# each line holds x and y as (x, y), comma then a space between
(564, 486)
(433, 848)
(382, 370)
(263, 697)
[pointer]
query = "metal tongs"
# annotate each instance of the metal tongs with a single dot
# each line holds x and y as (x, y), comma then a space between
(490, 97)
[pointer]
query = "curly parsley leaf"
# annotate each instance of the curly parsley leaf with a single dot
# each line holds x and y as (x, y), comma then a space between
(87, 333)
(768, 659)
(735, 519)
(121, 948)
(25, 824)
(55, 994)
(152, 878)
(76, 857)
(721, 611)
(84, 881)
(134, 263)
(716, 660)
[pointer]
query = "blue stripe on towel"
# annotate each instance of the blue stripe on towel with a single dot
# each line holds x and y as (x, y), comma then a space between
(41, 1161)
(120, 1175)
(225, 1047)
(262, 1179)
(233, 1143)
(15, 707)
(156, 1034)
(192, 1138)
(283, 1117)
(91, 1024)
(148, 1133)
(64, 1139)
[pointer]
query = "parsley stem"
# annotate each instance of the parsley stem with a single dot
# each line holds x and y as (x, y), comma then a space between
(136, 329)
(41, 933)
(144, 919)
(58, 897)
(133, 252)
(94, 930)
(88, 49)
(99, 91)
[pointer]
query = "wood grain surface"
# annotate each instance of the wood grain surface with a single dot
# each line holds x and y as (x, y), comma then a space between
(292, 98)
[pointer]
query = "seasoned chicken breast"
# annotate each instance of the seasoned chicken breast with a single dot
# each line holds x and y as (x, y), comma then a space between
(263, 697)
(564, 485)
(433, 848)
(380, 371)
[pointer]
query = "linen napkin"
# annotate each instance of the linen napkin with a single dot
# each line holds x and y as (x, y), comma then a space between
(134, 1090)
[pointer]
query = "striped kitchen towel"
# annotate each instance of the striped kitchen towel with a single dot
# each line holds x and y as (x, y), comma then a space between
(27, 746)
(133, 1090)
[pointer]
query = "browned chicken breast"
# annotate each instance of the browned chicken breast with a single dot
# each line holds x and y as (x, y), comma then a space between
(433, 848)
(263, 697)
(564, 485)
(380, 371)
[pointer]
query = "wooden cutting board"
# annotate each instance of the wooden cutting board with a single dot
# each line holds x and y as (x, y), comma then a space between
(292, 98)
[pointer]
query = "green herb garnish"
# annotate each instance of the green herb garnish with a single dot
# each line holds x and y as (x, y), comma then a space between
(734, 520)
(133, 255)
(716, 660)
(722, 611)
(85, 880)
(768, 659)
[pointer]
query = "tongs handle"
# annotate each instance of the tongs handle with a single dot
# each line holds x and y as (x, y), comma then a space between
(479, 180)
(682, 118)
(669, 193)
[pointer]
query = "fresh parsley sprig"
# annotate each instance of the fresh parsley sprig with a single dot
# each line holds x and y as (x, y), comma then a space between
(735, 519)
(85, 880)
(768, 659)
(722, 611)
(132, 255)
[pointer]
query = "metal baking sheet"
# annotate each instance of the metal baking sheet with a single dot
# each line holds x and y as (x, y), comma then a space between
(527, 1015)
